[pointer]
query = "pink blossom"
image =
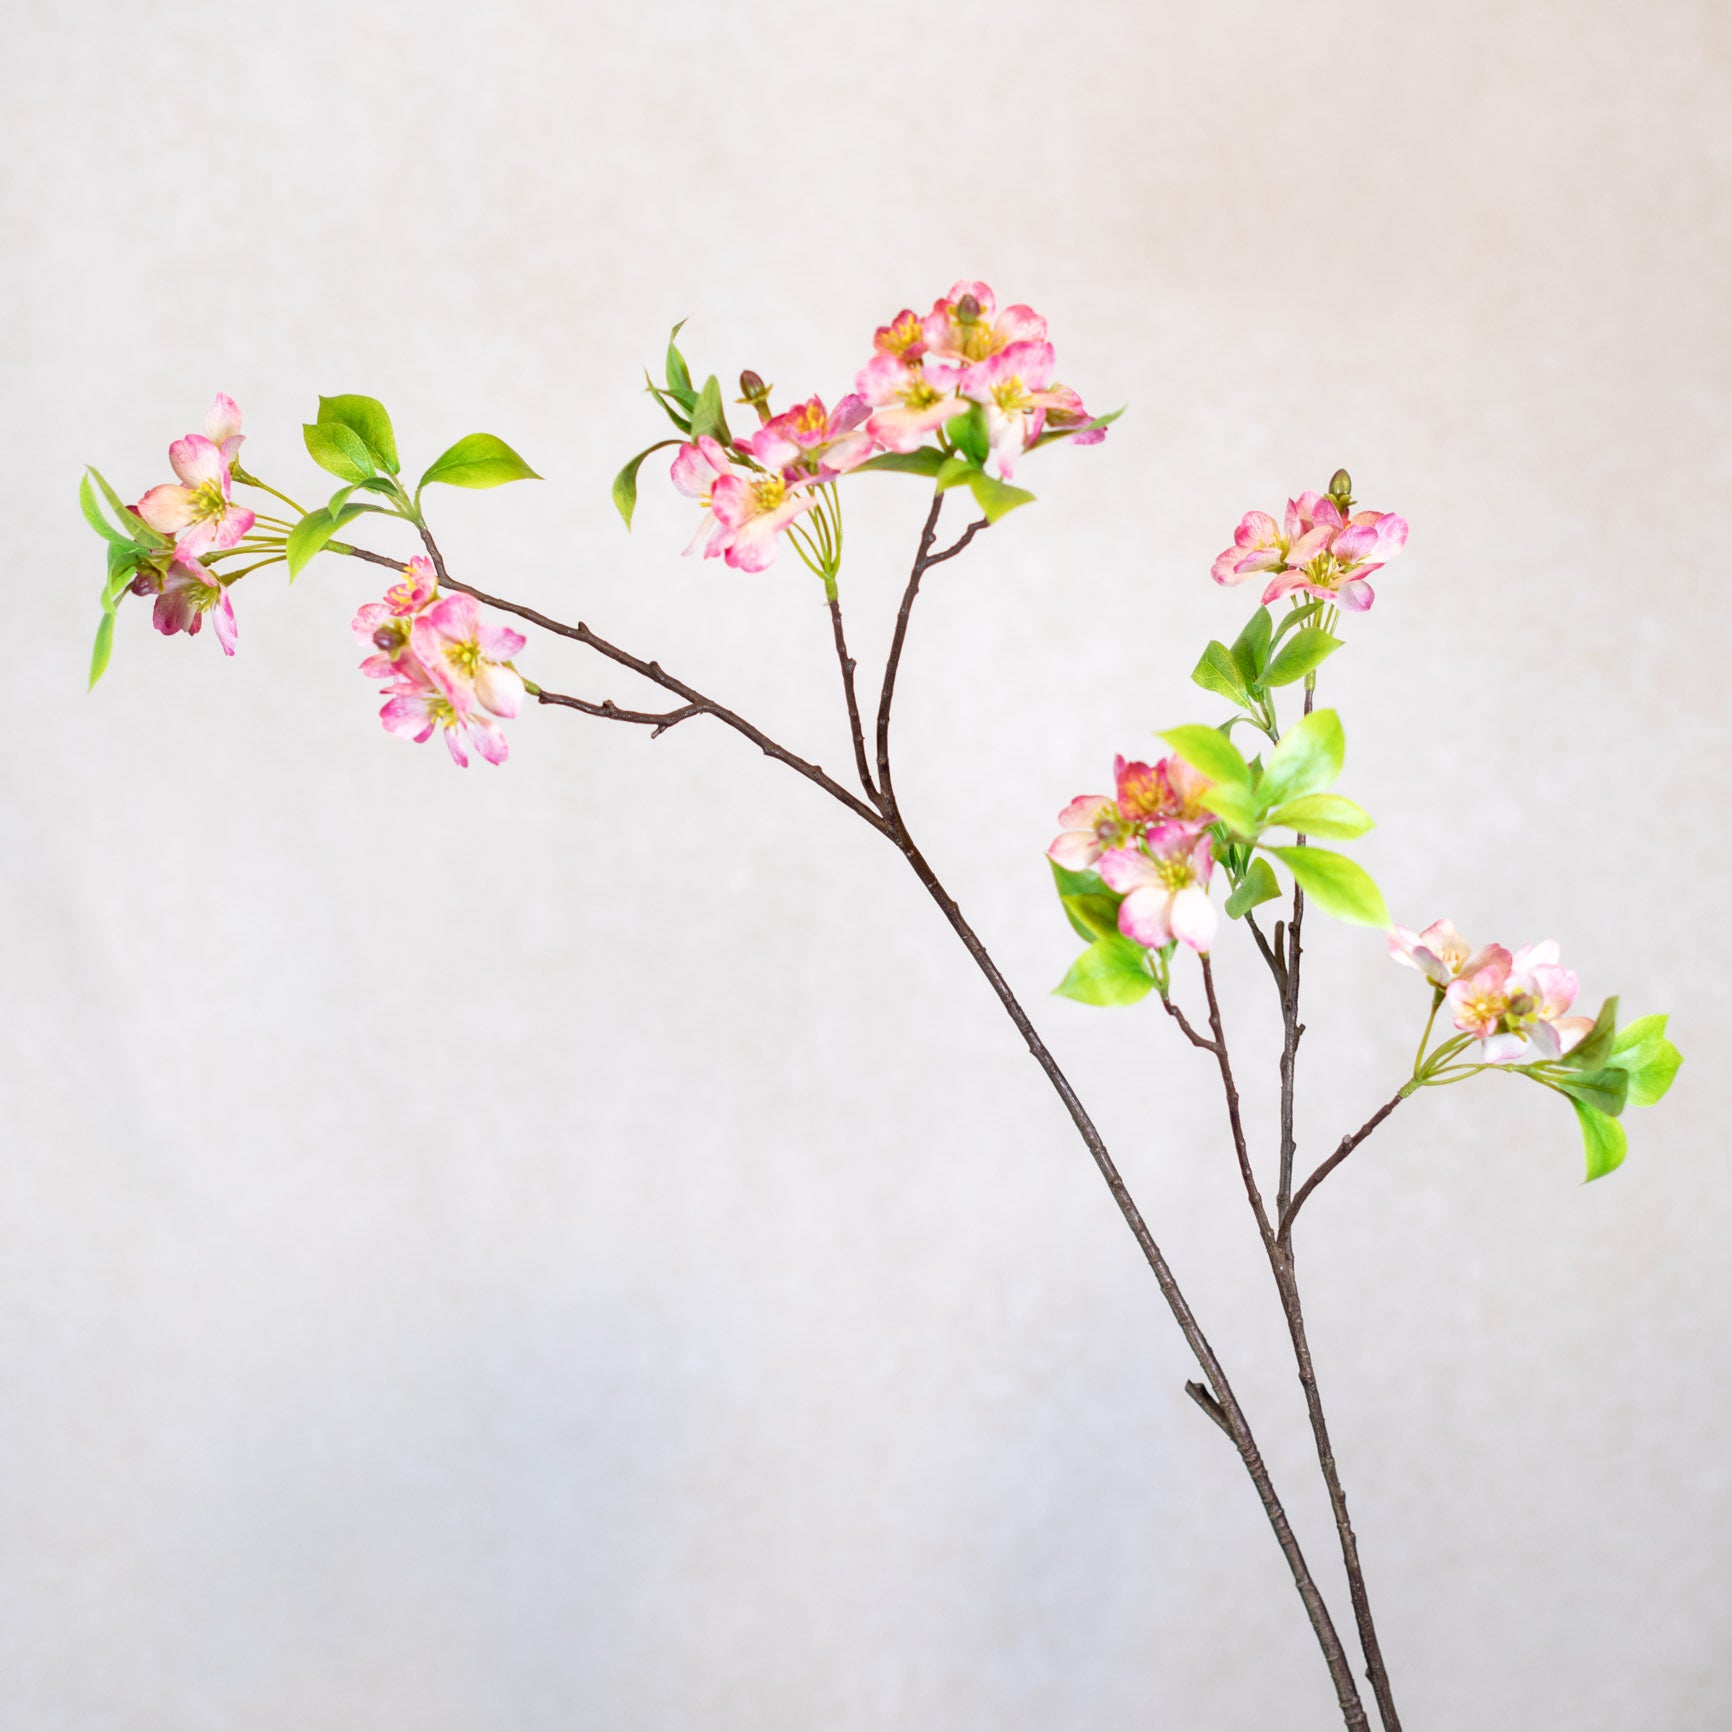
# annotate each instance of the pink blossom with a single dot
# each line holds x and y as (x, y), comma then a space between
(696, 470)
(1315, 551)
(189, 591)
(1516, 1005)
(910, 399)
(966, 325)
(1165, 884)
(902, 339)
(199, 512)
(465, 656)
(810, 442)
(1012, 387)
(222, 427)
(418, 704)
(1167, 792)
(751, 511)
(383, 626)
(1440, 953)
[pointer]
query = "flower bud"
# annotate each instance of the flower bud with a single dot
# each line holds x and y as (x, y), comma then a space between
(755, 394)
(144, 583)
(968, 310)
(1341, 488)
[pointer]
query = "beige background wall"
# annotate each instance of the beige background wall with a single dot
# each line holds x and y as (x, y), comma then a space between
(576, 1246)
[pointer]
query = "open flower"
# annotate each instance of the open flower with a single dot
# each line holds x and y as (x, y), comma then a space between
(418, 704)
(809, 441)
(465, 655)
(189, 591)
(1165, 884)
(1315, 550)
(198, 512)
(967, 326)
(384, 626)
(1440, 953)
(1516, 1006)
(747, 508)
(909, 397)
(1012, 387)
(222, 427)
(1167, 792)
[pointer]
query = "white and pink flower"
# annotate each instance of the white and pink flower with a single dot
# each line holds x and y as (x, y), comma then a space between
(418, 704)
(1165, 882)
(189, 591)
(1315, 551)
(199, 511)
(910, 399)
(1014, 387)
(466, 656)
(811, 443)
(966, 326)
(222, 427)
(1440, 953)
(1168, 792)
(747, 508)
(1516, 1006)
(383, 626)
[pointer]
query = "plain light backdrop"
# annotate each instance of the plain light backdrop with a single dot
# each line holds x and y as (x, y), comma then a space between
(577, 1245)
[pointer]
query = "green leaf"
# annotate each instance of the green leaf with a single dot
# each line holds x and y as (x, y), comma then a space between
(954, 472)
(1337, 885)
(1327, 815)
(1217, 671)
(1236, 805)
(1110, 972)
(1642, 1036)
(925, 460)
(625, 483)
(1603, 1140)
(1053, 433)
(309, 536)
(1604, 1090)
(365, 417)
(1210, 751)
(1092, 917)
(1308, 758)
(967, 432)
(1297, 617)
(93, 516)
(130, 522)
(1077, 883)
(1596, 1046)
(679, 375)
(1651, 1061)
(1308, 648)
(1257, 886)
(101, 650)
(669, 407)
(708, 416)
(339, 450)
(479, 460)
(994, 497)
(1251, 647)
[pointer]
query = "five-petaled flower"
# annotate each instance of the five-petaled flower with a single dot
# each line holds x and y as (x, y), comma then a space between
(189, 591)
(1014, 387)
(1314, 551)
(809, 442)
(1165, 881)
(1440, 953)
(199, 511)
(1516, 1005)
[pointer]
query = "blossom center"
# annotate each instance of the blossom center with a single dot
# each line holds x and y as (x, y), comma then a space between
(208, 501)
(1010, 397)
(465, 656)
(769, 492)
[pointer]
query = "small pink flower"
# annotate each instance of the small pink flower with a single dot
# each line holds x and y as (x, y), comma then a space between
(903, 339)
(1165, 884)
(751, 511)
(1092, 824)
(1440, 953)
(464, 655)
(222, 427)
(1315, 551)
(384, 626)
(1012, 387)
(418, 704)
(1516, 1005)
(199, 512)
(910, 399)
(966, 325)
(696, 470)
(188, 593)
(810, 442)
(415, 589)
(1167, 793)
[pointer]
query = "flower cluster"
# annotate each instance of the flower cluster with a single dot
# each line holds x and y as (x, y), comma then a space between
(1320, 549)
(965, 357)
(1150, 843)
(199, 512)
(446, 667)
(1516, 1006)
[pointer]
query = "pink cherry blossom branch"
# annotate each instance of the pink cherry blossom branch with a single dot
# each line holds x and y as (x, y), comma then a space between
(1217, 1399)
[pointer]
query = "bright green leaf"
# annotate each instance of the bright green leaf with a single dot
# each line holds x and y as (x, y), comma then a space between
(968, 433)
(1651, 1060)
(1071, 883)
(1257, 886)
(923, 460)
(1308, 758)
(1595, 1048)
(365, 417)
(1604, 1090)
(101, 650)
(1603, 1140)
(1237, 805)
(1296, 617)
(625, 483)
(339, 450)
(679, 375)
(1308, 648)
(1092, 917)
(994, 497)
(1641, 1036)
(1250, 650)
(954, 472)
(1337, 885)
(93, 516)
(1053, 433)
(1110, 972)
(1210, 751)
(1217, 671)
(130, 522)
(669, 407)
(309, 536)
(479, 460)
(1327, 815)
(709, 418)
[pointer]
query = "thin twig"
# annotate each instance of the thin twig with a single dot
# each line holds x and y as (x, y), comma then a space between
(847, 664)
(657, 721)
(1184, 1023)
(1342, 1150)
(1231, 1089)
(1209, 1405)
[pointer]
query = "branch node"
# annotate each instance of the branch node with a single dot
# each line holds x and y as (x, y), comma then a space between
(1209, 1405)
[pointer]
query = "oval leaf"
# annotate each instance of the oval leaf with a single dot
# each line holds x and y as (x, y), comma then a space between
(1210, 751)
(101, 649)
(365, 417)
(1110, 972)
(926, 460)
(625, 483)
(309, 536)
(708, 417)
(1217, 671)
(968, 433)
(1603, 1140)
(1308, 758)
(994, 497)
(339, 450)
(1307, 649)
(1328, 815)
(1259, 885)
(478, 460)
(1250, 650)
(1337, 885)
